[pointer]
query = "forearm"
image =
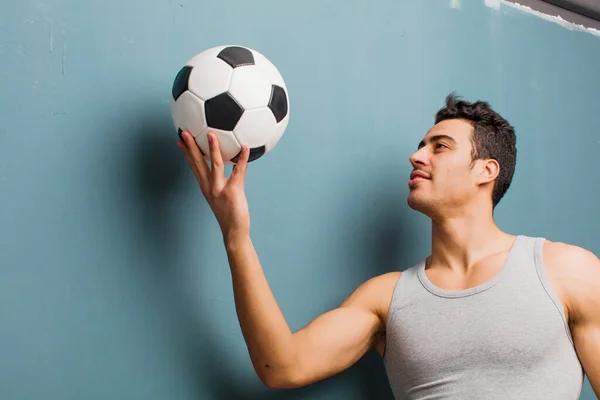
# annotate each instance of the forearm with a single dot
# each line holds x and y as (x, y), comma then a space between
(265, 330)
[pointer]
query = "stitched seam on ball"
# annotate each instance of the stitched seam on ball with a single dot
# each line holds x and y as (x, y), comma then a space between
(238, 103)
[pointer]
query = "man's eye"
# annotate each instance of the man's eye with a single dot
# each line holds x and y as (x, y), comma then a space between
(440, 146)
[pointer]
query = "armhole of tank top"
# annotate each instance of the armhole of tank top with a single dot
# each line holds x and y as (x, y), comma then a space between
(394, 300)
(541, 271)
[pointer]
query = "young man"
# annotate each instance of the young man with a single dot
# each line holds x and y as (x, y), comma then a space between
(486, 315)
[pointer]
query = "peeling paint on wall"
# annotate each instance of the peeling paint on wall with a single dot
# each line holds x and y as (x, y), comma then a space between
(493, 4)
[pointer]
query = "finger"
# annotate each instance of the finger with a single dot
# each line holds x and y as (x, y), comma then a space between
(189, 158)
(196, 160)
(196, 154)
(215, 158)
(193, 167)
(239, 171)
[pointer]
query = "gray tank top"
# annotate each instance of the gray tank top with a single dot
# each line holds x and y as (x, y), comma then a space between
(507, 338)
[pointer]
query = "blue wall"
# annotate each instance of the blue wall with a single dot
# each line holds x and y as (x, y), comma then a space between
(114, 282)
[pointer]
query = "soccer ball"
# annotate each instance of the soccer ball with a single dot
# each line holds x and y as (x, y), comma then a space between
(235, 92)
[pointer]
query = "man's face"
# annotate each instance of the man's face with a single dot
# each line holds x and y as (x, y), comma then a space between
(443, 178)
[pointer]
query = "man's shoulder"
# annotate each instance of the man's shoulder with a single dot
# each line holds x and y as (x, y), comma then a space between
(570, 262)
(568, 256)
(380, 285)
(380, 288)
(385, 279)
(375, 293)
(574, 271)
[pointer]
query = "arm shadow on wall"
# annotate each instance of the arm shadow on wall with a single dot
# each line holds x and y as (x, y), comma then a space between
(158, 172)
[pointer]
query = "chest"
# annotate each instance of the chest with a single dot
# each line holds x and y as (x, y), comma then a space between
(521, 330)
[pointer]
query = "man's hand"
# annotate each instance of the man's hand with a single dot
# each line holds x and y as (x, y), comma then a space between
(226, 197)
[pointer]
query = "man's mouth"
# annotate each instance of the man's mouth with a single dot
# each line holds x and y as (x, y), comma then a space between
(418, 176)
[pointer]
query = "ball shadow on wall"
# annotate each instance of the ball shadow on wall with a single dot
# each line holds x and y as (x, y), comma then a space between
(162, 174)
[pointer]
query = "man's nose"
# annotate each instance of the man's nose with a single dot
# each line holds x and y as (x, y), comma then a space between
(418, 158)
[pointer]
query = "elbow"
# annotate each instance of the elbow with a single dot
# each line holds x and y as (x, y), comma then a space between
(273, 383)
(281, 373)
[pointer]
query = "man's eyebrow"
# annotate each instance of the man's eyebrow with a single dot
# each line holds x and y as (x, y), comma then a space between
(437, 138)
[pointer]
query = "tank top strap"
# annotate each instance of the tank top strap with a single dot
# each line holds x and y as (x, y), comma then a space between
(526, 269)
(540, 267)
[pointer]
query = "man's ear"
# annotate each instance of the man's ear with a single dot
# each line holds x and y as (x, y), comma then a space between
(488, 171)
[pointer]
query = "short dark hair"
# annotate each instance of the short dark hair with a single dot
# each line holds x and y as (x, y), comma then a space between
(493, 137)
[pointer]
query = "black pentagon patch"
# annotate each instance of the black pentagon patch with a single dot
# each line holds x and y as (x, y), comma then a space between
(179, 132)
(223, 112)
(236, 56)
(255, 153)
(278, 102)
(181, 81)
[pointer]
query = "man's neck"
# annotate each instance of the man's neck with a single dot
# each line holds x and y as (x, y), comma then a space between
(460, 242)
